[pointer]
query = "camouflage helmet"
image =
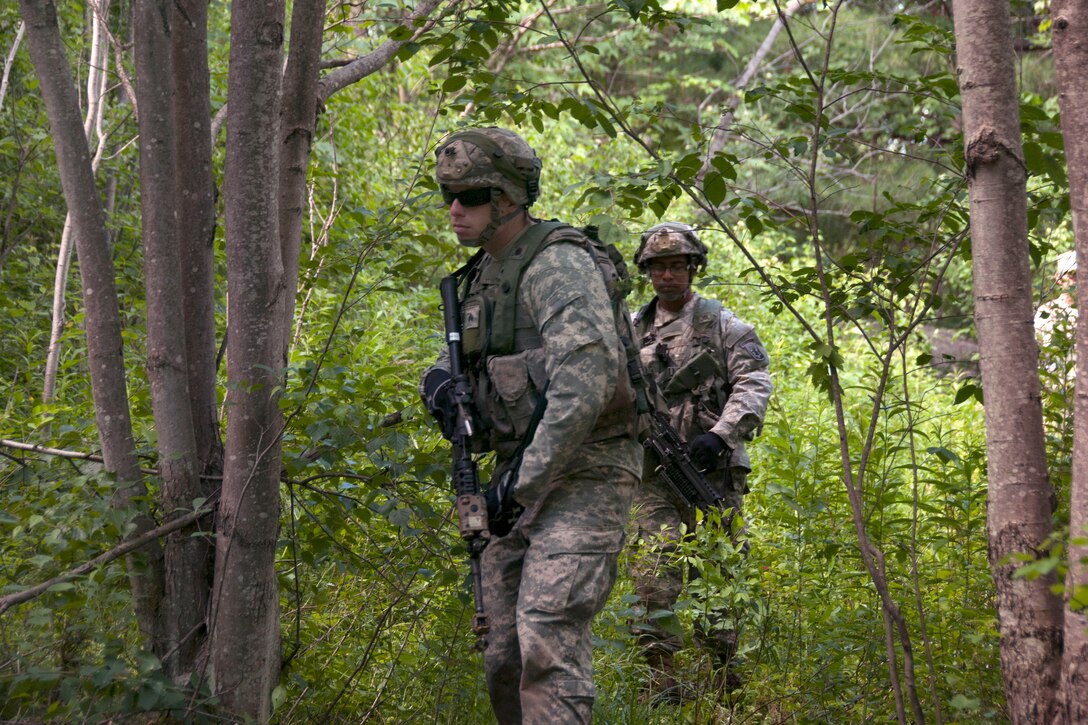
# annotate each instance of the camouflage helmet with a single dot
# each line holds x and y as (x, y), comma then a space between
(490, 157)
(670, 239)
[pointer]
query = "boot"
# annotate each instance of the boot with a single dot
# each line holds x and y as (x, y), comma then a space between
(727, 678)
(662, 687)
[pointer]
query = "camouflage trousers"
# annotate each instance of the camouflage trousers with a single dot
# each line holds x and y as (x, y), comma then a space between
(658, 580)
(543, 584)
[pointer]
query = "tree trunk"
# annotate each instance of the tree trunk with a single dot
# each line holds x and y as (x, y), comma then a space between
(299, 119)
(102, 317)
(60, 297)
(1070, 26)
(725, 119)
(167, 368)
(196, 220)
(9, 61)
(97, 71)
(245, 602)
(195, 229)
(1020, 505)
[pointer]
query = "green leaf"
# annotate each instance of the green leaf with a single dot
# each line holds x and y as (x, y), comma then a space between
(963, 702)
(944, 454)
(967, 391)
(724, 166)
(633, 7)
(714, 188)
(453, 84)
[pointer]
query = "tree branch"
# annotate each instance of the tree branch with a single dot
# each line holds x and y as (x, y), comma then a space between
(11, 600)
(35, 448)
(360, 68)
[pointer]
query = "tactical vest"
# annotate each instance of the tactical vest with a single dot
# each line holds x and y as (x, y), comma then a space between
(504, 353)
(695, 389)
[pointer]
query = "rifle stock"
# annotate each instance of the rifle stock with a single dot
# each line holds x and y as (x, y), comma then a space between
(470, 504)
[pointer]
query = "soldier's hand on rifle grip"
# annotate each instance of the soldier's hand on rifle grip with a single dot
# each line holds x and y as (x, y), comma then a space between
(707, 452)
(502, 510)
(438, 399)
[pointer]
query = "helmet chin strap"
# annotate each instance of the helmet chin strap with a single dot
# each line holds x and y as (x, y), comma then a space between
(675, 296)
(497, 220)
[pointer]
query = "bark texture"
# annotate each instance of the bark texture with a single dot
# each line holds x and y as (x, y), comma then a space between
(185, 587)
(196, 219)
(245, 601)
(103, 322)
(195, 229)
(1070, 28)
(299, 119)
(1020, 500)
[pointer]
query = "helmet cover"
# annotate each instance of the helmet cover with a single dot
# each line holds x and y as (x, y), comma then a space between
(489, 158)
(670, 239)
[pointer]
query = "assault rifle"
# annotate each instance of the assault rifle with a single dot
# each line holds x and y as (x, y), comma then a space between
(470, 504)
(676, 468)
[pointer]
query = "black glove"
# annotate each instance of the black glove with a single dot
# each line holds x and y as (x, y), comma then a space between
(502, 510)
(438, 398)
(707, 452)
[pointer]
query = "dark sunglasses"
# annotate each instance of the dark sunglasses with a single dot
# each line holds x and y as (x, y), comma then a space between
(468, 197)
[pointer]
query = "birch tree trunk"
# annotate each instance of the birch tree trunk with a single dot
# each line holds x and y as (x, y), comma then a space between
(9, 61)
(167, 368)
(103, 322)
(245, 601)
(1070, 28)
(1020, 504)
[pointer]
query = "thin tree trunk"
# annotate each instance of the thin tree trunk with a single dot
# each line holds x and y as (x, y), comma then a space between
(725, 120)
(196, 219)
(299, 120)
(167, 367)
(97, 65)
(195, 239)
(103, 322)
(60, 284)
(1019, 507)
(895, 626)
(1070, 25)
(8, 61)
(245, 649)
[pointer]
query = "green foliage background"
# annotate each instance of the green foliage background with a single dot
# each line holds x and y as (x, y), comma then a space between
(375, 604)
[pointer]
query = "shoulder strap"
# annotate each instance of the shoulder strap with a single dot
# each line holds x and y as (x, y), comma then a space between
(707, 324)
(645, 316)
(706, 316)
(464, 272)
(512, 267)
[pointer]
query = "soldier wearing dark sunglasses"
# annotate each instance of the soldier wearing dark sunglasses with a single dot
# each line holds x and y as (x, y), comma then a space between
(552, 390)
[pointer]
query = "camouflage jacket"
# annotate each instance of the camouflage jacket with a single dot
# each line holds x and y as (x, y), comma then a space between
(711, 368)
(565, 339)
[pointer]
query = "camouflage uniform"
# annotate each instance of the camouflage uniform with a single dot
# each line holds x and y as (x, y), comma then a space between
(546, 580)
(712, 370)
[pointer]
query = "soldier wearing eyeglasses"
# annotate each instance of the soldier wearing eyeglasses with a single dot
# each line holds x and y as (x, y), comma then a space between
(712, 371)
(550, 382)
